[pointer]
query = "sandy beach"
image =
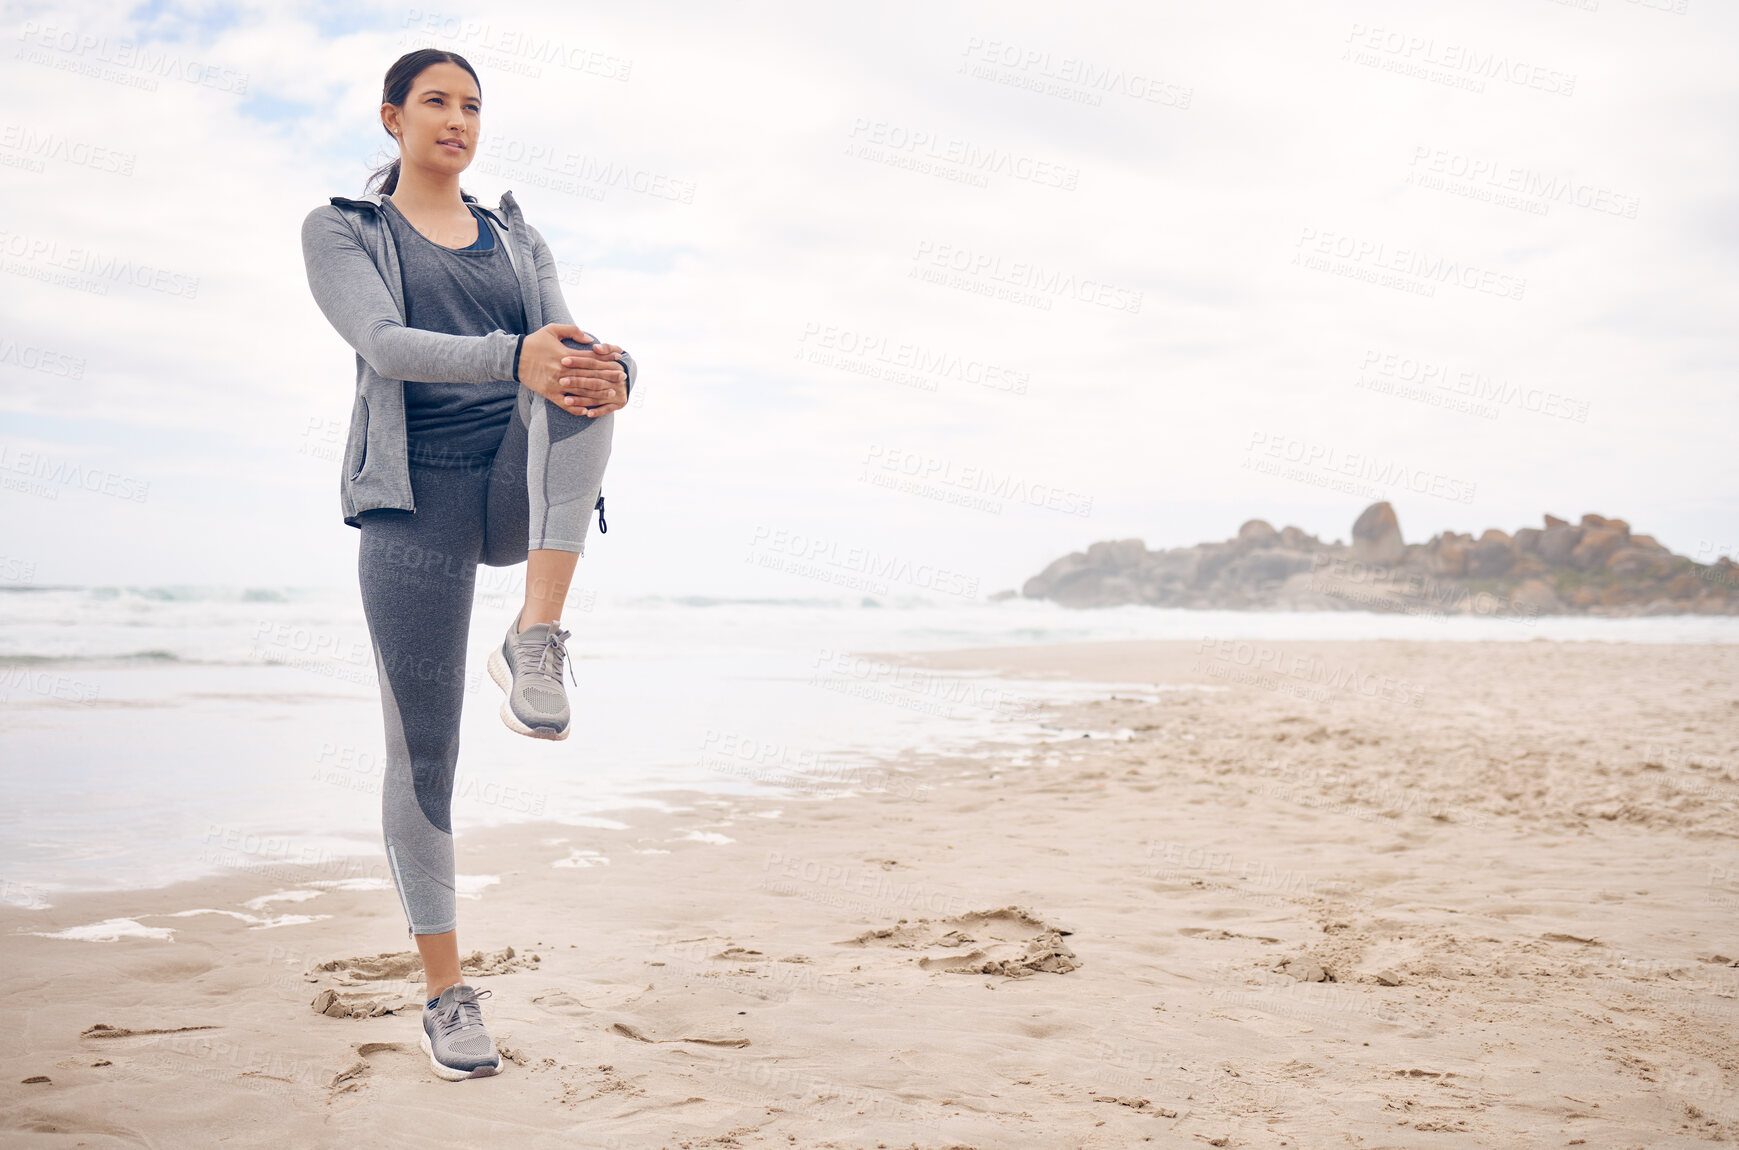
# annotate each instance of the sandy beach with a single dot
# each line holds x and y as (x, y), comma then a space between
(1300, 894)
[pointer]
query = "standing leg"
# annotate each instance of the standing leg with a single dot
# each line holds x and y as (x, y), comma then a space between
(418, 573)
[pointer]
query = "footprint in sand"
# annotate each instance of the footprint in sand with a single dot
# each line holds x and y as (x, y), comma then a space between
(560, 1002)
(335, 1005)
(395, 966)
(1009, 941)
(629, 1030)
(407, 964)
(1216, 934)
(394, 1059)
(104, 1030)
(556, 1000)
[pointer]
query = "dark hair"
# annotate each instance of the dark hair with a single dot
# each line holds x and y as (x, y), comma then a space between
(397, 89)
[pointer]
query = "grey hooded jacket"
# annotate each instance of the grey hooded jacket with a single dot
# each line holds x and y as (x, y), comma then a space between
(353, 271)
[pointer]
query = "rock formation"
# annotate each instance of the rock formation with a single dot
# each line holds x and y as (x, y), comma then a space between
(1377, 535)
(1597, 567)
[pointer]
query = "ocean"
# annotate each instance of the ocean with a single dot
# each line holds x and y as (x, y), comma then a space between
(156, 734)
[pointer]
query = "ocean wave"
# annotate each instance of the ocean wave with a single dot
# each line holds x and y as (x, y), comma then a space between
(128, 659)
(728, 601)
(172, 593)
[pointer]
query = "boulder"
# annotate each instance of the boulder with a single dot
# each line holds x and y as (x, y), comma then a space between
(1269, 565)
(1596, 545)
(1686, 586)
(1491, 557)
(1304, 592)
(1558, 542)
(1377, 535)
(1634, 563)
(1528, 567)
(1535, 596)
(1620, 595)
(1120, 555)
(1646, 543)
(1072, 587)
(1528, 540)
(1213, 560)
(1452, 559)
(1553, 521)
(1295, 539)
(1041, 585)
(1178, 565)
(1592, 520)
(1259, 533)
(1627, 563)
(1101, 577)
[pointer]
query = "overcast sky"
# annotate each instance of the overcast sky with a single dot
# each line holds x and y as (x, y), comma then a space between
(959, 286)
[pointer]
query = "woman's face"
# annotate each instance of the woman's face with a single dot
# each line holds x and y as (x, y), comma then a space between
(440, 124)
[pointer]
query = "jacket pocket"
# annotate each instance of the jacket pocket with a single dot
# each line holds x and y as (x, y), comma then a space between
(359, 435)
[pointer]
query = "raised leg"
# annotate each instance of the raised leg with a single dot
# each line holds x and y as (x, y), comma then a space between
(548, 574)
(545, 480)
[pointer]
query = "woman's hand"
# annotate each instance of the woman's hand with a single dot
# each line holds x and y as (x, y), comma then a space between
(597, 362)
(587, 381)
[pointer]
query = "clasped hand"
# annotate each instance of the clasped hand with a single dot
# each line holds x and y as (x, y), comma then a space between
(587, 381)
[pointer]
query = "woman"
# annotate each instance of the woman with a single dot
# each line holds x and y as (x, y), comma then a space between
(480, 433)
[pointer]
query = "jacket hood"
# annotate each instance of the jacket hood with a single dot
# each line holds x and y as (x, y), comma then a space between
(509, 206)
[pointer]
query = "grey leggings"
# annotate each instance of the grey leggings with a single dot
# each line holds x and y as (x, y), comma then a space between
(418, 571)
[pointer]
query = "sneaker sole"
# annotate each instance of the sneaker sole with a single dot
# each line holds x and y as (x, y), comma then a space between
(504, 679)
(454, 1075)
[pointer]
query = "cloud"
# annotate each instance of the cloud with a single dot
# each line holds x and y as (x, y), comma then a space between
(1093, 250)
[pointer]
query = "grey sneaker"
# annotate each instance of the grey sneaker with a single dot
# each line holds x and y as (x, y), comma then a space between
(453, 1035)
(528, 666)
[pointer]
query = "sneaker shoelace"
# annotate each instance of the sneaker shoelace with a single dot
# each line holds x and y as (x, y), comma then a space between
(555, 643)
(462, 1012)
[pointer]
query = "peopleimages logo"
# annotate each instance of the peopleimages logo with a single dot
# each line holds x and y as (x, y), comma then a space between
(1034, 280)
(105, 268)
(33, 358)
(40, 145)
(36, 465)
(1408, 262)
(529, 43)
(1533, 189)
(866, 352)
(969, 156)
(1283, 451)
(1478, 387)
(932, 474)
(88, 50)
(832, 561)
(1067, 76)
(1460, 59)
(584, 173)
